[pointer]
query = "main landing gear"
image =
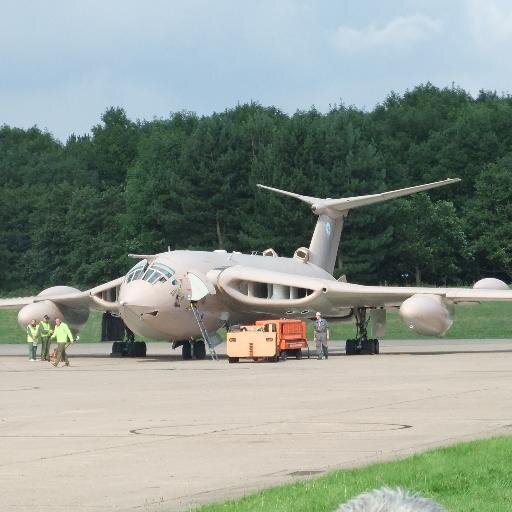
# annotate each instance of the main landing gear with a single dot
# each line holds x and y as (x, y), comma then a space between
(361, 344)
(113, 328)
(128, 349)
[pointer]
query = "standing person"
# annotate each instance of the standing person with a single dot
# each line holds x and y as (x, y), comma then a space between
(62, 334)
(321, 336)
(45, 332)
(32, 339)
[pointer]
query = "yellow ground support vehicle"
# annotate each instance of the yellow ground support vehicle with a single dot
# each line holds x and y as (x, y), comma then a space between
(269, 340)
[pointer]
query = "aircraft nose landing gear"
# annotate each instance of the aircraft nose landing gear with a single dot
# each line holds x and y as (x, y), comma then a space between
(192, 349)
(361, 344)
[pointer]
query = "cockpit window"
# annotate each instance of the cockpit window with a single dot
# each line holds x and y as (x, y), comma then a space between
(164, 269)
(137, 271)
(158, 272)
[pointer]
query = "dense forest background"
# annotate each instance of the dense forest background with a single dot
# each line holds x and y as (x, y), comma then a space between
(70, 213)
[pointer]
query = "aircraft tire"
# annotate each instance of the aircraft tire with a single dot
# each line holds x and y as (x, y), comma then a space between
(372, 347)
(366, 346)
(117, 349)
(186, 351)
(351, 347)
(140, 349)
(199, 350)
(135, 349)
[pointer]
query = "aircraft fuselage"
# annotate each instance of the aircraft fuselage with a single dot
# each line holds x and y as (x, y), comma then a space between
(160, 308)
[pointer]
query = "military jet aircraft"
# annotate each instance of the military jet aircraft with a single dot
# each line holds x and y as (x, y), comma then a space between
(184, 295)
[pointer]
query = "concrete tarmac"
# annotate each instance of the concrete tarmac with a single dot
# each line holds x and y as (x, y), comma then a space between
(161, 434)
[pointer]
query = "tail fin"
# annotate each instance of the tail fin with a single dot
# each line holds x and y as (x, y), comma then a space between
(323, 248)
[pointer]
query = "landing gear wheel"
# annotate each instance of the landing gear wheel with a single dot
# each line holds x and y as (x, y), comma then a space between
(233, 360)
(361, 344)
(366, 346)
(370, 346)
(142, 348)
(136, 349)
(186, 351)
(199, 350)
(128, 349)
(351, 347)
(117, 349)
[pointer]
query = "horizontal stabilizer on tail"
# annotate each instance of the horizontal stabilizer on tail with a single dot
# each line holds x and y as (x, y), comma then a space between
(307, 199)
(348, 203)
(323, 248)
(344, 204)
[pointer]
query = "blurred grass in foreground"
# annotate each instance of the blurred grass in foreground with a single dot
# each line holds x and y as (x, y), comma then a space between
(468, 477)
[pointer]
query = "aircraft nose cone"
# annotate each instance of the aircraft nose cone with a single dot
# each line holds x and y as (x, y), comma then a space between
(141, 298)
(144, 308)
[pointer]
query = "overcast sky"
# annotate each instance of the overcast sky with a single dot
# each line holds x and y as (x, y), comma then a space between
(63, 62)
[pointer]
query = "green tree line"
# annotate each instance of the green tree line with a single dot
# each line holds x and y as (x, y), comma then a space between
(71, 212)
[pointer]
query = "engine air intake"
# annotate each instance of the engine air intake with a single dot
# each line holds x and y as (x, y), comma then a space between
(272, 291)
(302, 254)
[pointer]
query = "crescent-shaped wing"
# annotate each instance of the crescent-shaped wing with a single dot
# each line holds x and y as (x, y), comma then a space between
(91, 299)
(281, 293)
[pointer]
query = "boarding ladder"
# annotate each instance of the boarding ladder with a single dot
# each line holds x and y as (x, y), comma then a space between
(204, 334)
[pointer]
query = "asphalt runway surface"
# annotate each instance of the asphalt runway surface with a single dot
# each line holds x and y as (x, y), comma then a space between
(161, 434)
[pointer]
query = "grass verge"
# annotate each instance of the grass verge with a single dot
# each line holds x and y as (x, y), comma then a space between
(487, 320)
(468, 477)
